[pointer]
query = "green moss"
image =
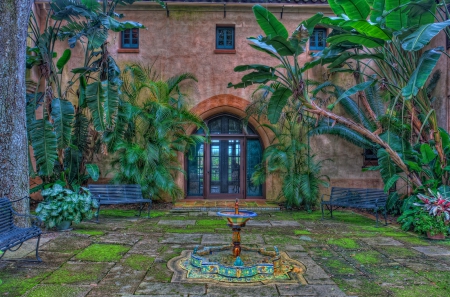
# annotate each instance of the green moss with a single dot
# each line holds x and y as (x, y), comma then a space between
(190, 230)
(345, 243)
(90, 232)
(76, 274)
(362, 287)
(425, 290)
(396, 234)
(159, 273)
(376, 229)
(369, 257)
(211, 223)
(398, 252)
(118, 213)
(320, 253)
(397, 275)
(172, 254)
(17, 285)
(103, 253)
(280, 240)
(440, 278)
(139, 262)
(301, 232)
(336, 266)
(56, 291)
(413, 240)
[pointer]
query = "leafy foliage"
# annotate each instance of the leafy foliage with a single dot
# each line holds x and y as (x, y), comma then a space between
(150, 131)
(65, 205)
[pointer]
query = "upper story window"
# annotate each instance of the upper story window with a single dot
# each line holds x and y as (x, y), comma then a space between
(318, 39)
(224, 37)
(130, 38)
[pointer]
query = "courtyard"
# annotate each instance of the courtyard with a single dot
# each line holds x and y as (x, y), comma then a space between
(124, 255)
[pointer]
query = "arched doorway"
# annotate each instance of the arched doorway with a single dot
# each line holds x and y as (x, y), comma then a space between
(223, 167)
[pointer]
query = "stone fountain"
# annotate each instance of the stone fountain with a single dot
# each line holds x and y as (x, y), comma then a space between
(235, 262)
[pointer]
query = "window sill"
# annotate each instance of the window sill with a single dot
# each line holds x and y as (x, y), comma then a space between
(224, 51)
(128, 50)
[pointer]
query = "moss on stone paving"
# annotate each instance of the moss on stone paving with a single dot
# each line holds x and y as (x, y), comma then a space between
(159, 273)
(368, 257)
(321, 252)
(360, 286)
(17, 283)
(103, 252)
(419, 290)
(90, 232)
(414, 240)
(77, 274)
(346, 243)
(301, 232)
(440, 278)
(338, 266)
(56, 291)
(139, 262)
(280, 240)
(398, 252)
(211, 223)
(396, 275)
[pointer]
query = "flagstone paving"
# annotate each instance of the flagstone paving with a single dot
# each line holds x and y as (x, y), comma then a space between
(128, 256)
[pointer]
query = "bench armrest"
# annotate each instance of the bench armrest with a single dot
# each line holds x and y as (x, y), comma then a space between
(321, 197)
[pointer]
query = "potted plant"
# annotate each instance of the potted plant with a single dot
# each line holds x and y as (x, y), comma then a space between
(62, 206)
(431, 216)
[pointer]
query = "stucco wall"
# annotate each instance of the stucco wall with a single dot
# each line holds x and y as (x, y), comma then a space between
(184, 41)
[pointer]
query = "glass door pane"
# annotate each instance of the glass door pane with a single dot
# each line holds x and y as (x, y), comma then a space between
(225, 165)
(195, 171)
(254, 157)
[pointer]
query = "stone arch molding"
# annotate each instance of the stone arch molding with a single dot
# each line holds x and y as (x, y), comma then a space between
(226, 103)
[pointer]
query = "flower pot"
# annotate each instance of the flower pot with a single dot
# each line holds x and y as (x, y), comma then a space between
(439, 236)
(63, 226)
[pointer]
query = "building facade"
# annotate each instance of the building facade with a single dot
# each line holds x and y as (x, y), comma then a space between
(208, 39)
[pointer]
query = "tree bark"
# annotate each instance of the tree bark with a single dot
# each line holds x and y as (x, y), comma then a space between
(14, 180)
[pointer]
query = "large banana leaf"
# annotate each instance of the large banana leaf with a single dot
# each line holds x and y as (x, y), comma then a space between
(116, 26)
(387, 167)
(423, 35)
(300, 36)
(43, 140)
(368, 29)
(355, 9)
(396, 19)
(358, 39)
(377, 10)
(269, 23)
(355, 112)
(425, 66)
(337, 8)
(93, 171)
(421, 12)
(72, 162)
(343, 132)
(62, 114)
(282, 46)
(353, 90)
(277, 102)
(111, 101)
(95, 98)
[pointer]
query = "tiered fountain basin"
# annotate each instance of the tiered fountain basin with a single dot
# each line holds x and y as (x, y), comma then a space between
(219, 260)
(234, 263)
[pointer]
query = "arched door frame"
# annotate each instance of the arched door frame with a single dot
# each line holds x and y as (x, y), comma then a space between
(235, 107)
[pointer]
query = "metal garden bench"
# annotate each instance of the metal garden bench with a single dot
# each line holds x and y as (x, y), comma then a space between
(357, 198)
(119, 194)
(10, 234)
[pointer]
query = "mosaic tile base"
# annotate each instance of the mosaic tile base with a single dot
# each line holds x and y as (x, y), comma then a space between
(185, 272)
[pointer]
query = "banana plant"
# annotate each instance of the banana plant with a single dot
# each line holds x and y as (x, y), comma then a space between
(379, 52)
(76, 113)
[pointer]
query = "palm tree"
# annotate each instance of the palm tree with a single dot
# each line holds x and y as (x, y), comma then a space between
(151, 130)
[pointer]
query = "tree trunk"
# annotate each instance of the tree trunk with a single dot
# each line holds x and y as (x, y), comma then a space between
(14, 180)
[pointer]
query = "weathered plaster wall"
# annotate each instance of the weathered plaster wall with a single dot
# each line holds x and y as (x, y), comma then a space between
(185, 42)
